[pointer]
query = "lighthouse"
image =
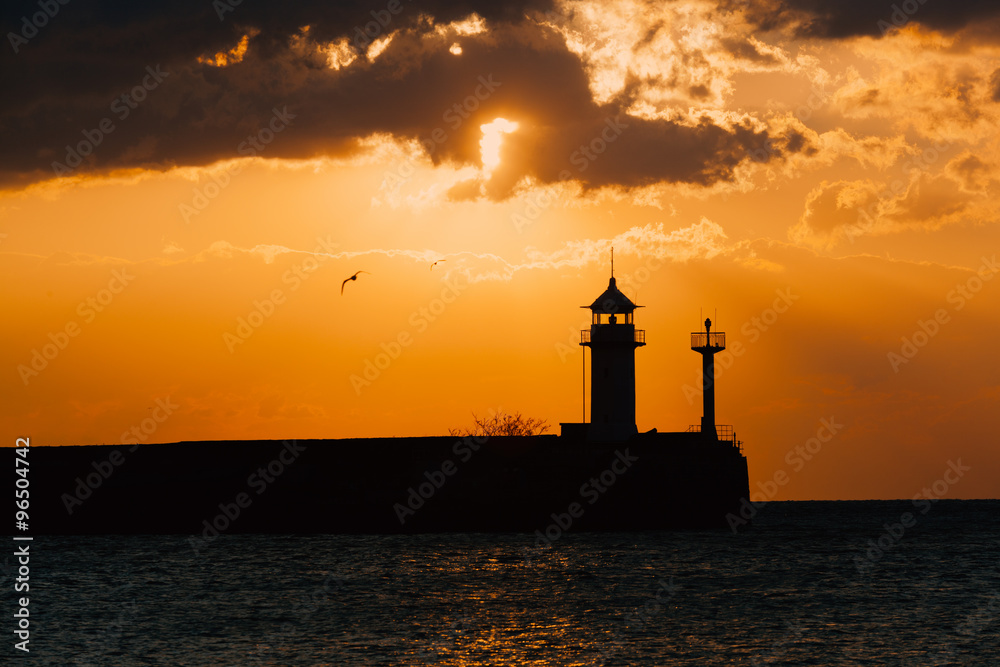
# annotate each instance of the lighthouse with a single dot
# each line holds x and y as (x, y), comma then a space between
(708, 344)
(612, 339)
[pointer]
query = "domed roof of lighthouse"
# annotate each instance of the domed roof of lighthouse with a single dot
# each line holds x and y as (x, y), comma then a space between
(612, 301)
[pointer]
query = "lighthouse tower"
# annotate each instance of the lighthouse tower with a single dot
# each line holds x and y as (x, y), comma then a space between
(612, 339)
(708, 344)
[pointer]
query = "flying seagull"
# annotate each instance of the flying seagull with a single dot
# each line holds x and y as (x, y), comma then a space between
(437, 262)
(354, 277)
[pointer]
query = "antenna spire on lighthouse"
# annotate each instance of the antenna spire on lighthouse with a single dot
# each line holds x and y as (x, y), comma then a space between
(612, 261)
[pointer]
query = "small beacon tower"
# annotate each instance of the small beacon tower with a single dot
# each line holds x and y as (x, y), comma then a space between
(612, 339)
(708, 344)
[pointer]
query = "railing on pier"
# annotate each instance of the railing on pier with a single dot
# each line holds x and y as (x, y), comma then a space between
(725, 432)
(714, 339)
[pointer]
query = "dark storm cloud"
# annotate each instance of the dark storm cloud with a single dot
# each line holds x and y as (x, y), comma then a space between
(851, 18)
(69, 78)
(62, 72)
(608, 148)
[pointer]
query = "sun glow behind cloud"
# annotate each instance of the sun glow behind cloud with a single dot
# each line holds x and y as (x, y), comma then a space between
(490, 143)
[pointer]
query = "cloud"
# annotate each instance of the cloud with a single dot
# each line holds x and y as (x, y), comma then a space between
(171, 248)
(68, 76)
(880, 152)
(853, 18)
(607, 148)
(844, 210)
(972, 173)
(304, 82)
(922, 81)
(995, 86)
(703, 239)
(831, 209)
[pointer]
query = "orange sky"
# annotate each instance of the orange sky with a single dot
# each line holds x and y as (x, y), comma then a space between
(738, 163)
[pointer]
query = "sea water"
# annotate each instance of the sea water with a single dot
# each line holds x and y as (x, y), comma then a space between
(809, 583)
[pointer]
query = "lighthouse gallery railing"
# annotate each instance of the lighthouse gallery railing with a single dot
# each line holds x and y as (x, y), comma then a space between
(640, 336)
(715, 339)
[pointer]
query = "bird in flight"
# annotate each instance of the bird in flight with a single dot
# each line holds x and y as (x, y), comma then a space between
(437, 262)
(354, 277)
